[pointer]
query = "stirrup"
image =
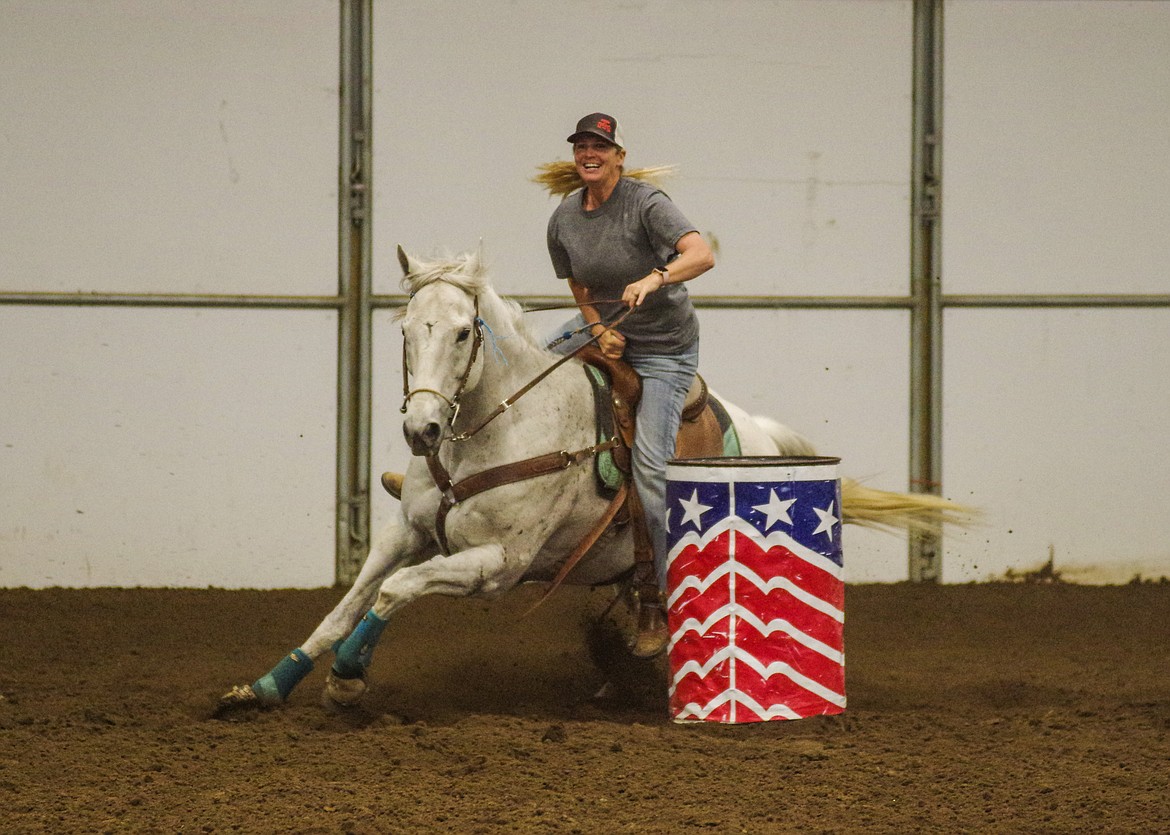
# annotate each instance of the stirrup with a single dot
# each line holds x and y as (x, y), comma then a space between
(392, 482)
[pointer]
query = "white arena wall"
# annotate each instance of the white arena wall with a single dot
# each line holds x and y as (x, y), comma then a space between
(172, 148)
(167, 147)
(1057, 135)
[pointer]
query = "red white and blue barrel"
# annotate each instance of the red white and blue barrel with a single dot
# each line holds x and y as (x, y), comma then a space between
(756, 595)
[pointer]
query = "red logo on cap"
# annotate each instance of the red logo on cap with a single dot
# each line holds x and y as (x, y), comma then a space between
(605, 125)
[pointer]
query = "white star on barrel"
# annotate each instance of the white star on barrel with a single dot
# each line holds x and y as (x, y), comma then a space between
(827, 521)
(776, 510)
(693, 510)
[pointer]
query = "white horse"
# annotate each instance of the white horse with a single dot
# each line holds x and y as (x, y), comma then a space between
(513, 533)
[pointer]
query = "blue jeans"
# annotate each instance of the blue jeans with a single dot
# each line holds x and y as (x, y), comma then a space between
(665, 381)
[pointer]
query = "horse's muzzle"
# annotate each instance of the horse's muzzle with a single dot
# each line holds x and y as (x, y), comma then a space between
(423, 440)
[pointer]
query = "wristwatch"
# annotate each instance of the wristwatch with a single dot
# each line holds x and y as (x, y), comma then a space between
(664, 272)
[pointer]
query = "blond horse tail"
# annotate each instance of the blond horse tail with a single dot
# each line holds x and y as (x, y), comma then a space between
(900, 512)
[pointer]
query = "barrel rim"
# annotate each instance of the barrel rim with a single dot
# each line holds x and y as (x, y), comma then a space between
(757, 461)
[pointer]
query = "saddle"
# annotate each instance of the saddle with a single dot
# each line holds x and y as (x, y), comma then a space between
(702, 433)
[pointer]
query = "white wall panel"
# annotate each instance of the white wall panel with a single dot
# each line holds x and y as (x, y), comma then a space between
(1055, 425)
(167, 447)
(790, 122)
(169, 146)
(839, 378)
(1057, 132)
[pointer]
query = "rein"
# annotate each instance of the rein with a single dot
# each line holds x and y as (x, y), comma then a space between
(507, 402)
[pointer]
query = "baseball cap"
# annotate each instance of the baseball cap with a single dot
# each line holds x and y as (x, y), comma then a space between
(599, 124)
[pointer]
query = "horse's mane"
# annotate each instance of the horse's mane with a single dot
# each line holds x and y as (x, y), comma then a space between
(464, 271)
(468, 273)
(560, 178)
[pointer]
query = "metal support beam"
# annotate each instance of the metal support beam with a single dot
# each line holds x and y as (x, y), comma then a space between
(925, 559)
(354, 257)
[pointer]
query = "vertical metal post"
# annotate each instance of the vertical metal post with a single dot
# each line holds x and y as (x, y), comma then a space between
(925, 559)
(353, 330)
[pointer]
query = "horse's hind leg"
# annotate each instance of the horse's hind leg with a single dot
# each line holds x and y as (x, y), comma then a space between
(396, 545)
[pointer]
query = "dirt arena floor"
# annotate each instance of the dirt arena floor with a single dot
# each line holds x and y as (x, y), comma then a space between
(991, 708)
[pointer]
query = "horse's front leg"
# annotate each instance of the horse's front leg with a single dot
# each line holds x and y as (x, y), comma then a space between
(396, 545)
(480, 570)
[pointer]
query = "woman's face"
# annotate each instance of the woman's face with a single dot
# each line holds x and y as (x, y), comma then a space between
(597, 161)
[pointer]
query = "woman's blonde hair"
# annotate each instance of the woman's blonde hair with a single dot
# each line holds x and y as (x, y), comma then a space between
(561, 178)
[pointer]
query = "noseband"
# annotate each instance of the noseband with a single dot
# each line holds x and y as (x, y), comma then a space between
(453, 400)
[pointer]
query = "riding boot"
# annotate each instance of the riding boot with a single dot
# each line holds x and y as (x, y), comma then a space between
(392, 482)
(653, 633)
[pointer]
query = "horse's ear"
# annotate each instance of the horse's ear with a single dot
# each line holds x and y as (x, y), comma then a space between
(409, 265)
(476, 264)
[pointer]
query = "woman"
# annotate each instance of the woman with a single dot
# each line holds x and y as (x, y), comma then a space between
(620, 239)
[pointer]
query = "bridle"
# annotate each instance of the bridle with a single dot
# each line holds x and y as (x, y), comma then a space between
(453, 400)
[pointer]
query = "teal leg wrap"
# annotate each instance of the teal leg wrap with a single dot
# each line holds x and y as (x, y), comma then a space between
(355, 652)
(274, 687)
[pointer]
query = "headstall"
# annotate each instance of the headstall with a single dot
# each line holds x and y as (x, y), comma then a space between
(453, 400)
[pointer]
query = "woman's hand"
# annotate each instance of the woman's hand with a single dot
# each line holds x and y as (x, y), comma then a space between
(694, 259)
(612, 344)
(637, 292)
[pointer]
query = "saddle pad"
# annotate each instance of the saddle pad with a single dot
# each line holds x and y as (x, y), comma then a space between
(730, 436)
(609, 477)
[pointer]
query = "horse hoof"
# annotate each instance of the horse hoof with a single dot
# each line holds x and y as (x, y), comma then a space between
(342, 692)
(237, 701)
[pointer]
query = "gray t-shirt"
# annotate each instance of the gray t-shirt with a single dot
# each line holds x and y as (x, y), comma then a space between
(633, 232)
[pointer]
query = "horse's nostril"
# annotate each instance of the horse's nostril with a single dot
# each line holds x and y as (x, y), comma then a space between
(431, 433)
(425, 440)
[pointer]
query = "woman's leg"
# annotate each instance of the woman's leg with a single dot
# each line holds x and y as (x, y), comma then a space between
(665, 381)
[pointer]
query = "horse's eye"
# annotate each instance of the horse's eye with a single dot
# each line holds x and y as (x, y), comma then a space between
(463, 334)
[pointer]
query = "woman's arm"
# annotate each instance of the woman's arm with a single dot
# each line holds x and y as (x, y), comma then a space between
(694, 259)
(611, 343)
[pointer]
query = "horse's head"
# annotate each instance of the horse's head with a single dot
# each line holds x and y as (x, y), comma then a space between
(442, 356)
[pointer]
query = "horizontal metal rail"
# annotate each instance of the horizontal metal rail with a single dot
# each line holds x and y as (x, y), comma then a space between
(1135, 300)
(1072, 300)
(854, 302)
(170, 300)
